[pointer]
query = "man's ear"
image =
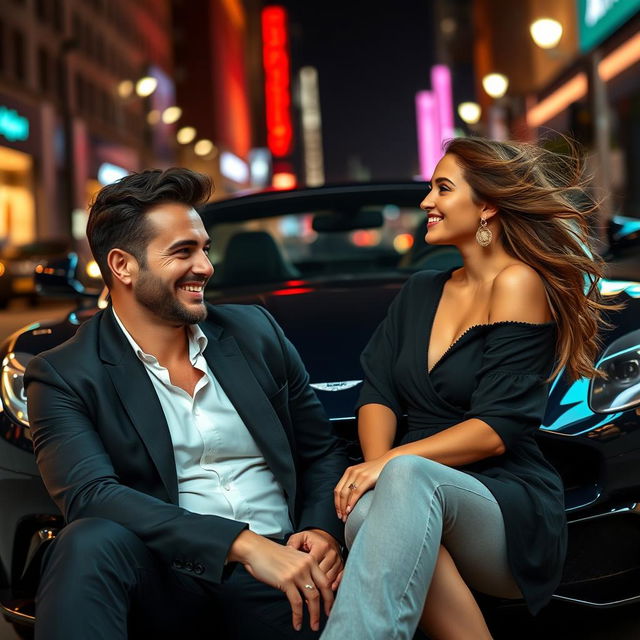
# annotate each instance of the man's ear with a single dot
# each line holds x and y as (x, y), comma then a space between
(123, 265)
(488, 211)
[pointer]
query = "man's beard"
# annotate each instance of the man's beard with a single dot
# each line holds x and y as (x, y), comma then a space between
(153, 294)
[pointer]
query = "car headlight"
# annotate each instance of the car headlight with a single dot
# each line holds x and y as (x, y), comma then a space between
(14, 398)
(619, 389)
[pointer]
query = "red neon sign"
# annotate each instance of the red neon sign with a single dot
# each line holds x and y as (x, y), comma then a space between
(275, 58)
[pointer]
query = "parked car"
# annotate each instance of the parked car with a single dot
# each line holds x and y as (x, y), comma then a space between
(326, 262)
(18, 264)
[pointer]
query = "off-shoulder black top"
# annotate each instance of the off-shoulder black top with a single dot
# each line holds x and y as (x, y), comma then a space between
(496, 373)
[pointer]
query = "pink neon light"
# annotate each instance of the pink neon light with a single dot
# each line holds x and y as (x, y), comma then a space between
(441, 85)
(429, 142)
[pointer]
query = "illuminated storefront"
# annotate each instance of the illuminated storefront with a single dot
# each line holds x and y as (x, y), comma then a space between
(19, 134)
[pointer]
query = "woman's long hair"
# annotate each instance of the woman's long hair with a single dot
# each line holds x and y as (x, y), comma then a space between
(544, 210)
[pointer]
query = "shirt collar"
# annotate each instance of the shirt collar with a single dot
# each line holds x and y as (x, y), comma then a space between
(197, 342)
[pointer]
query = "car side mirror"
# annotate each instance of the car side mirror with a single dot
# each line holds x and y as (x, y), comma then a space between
(619, 389)
(624, 234)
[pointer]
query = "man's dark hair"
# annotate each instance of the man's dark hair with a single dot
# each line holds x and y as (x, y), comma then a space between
(117, 216)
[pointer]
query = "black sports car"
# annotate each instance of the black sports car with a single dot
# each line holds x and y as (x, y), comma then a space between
(326, 262)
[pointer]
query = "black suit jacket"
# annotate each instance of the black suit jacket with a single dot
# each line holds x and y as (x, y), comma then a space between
(103, 447)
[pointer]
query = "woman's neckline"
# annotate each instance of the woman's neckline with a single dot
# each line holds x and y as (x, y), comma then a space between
(485, 325)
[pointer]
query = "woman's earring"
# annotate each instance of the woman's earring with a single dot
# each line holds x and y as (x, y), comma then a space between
(483, 234)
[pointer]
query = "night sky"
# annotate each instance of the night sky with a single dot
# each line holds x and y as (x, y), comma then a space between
(370, 64)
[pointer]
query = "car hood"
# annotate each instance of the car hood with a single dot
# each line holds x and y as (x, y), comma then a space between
(329, 324)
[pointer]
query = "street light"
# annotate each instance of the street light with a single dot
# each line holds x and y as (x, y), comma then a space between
(546, 32)
(153, 117)
(469, 112)
(171, 115)
(203, 147)
(125, 88)
(146, 86)
(495, 84)
(186, 135)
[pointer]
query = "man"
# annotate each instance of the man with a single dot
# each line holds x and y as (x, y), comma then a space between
(183, 445)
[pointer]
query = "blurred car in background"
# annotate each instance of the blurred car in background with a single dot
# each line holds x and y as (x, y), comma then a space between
(326, 262)
(18, 264)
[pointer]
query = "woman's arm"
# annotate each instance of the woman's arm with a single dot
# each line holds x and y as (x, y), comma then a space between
(377, 426)
(459, 445)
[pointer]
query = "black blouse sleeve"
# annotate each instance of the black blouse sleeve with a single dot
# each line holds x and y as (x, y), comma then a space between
(511, 393)
(379, 356)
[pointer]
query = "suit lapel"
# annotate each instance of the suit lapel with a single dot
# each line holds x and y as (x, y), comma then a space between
(235, 376)
(139, 400)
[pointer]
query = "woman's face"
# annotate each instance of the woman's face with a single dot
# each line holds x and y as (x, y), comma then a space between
(452, 215)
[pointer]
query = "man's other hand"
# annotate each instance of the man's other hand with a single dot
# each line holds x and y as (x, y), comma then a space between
(293, 572)
(325, 550)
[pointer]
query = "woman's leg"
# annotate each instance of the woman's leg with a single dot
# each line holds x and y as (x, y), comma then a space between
(450, 610)
(394, 555)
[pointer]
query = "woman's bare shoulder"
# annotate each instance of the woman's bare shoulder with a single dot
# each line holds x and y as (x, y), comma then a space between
(518, 294)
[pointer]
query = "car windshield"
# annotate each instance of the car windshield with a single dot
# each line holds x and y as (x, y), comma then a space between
(323, 244)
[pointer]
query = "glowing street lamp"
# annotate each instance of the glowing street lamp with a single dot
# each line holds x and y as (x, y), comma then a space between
(125, 88)
(546, 32)
(146, 86)
(469, 112)
(203, 147)
(495, 84)
(186, 135)
(171, 115)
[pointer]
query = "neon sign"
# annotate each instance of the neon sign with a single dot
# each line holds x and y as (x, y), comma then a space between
(13, 126)
(275, 58)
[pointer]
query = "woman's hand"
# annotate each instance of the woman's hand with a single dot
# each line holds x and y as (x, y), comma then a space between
(356, 481)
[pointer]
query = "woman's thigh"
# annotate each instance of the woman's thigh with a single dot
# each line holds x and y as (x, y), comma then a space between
(474, 534)
(472, 528)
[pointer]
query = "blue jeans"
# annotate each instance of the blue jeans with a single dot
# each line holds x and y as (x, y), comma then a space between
(395, 533)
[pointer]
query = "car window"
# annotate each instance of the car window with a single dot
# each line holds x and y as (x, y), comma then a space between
(287, 247)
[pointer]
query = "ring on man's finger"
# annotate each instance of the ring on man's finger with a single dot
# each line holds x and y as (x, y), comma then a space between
(309, 587)
(352, 486)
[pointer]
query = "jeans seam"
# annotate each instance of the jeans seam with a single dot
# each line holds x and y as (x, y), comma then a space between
(491, 499)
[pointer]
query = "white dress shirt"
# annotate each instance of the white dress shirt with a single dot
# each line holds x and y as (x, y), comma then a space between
(219, 467)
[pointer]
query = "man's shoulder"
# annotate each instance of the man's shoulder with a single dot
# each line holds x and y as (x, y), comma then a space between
(77, 354)
(83, 341)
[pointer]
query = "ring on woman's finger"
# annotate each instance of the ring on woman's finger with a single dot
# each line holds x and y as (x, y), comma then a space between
(309, 587)
(352, 486)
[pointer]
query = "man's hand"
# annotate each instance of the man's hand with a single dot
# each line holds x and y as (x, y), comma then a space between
(295, 573)
(325, 550)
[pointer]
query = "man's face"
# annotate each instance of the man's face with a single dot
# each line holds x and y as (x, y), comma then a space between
(171, 285)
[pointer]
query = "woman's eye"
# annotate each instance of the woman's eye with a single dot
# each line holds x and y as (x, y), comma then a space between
(444, 188)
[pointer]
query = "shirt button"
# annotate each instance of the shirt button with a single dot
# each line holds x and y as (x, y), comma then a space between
(226, 486)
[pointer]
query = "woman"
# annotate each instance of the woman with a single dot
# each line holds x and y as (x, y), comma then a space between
(466, 500)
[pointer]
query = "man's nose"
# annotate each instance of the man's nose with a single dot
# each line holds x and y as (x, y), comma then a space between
(203, 265)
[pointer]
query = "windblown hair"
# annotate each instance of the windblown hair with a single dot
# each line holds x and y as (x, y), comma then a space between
(545, 209)
(117, 216)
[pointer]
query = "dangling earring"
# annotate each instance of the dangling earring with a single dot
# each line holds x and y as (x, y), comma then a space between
(483, 234)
